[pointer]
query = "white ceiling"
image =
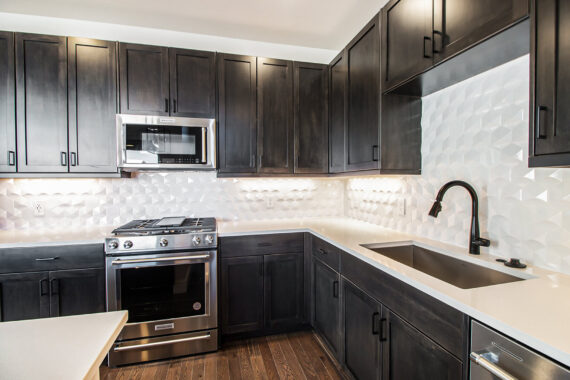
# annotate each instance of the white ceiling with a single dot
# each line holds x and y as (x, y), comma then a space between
(325, 24)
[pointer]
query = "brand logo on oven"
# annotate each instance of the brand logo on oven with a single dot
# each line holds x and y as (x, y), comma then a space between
(197, 306)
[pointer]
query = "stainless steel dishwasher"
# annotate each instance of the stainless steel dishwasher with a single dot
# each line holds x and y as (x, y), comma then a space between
(494, 356)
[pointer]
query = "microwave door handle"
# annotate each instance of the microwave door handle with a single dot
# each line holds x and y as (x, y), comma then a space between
(204, 146)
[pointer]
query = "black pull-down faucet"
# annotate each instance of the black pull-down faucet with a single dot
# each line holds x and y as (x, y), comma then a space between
(475, 241)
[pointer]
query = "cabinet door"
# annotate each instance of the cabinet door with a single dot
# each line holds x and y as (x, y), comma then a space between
(41, 88)
(192, 83)
(24, 296)
(311, 118)
(80, 291)
(327, 304)
(275, 116)
(237, 97)
(7, 104)
(362, 320)
(459, 24)
(408, 354)
(242, 294)
(92, 96)
(143, 78)
(551, 130)
(283, 290)
(406, 40)
(338, 112)
(363, 55)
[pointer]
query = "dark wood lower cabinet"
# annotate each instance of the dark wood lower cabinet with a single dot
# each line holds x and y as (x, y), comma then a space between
(362, 323)
(24, 296)
(241, 301)
(409, 354)
(79, 291)
(326, 298)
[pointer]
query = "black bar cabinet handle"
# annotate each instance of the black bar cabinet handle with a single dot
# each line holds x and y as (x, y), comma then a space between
(44, 287)
(174, 105)
(427, 53)
(383, 330)
(322, 251)
(375, 324)
(540, 134)
(438, 34)
(54, 286)
(374, 152)
(11, 158)
(335, 289)
(63, 159)
(73, 159)
(166, 104)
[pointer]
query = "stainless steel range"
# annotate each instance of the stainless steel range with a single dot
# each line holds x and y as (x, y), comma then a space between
(163, 271)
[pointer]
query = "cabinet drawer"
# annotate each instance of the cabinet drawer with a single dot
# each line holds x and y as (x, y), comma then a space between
(37, 259)
(440, 322)
(327, 253)
(261, 244)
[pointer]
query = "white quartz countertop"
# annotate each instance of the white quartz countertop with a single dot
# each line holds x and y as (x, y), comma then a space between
(535, 311)
(69, 348)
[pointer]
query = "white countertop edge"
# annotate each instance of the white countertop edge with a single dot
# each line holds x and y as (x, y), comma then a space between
(522, 337)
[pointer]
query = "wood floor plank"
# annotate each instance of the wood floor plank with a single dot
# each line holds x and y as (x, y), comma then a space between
(297, 356)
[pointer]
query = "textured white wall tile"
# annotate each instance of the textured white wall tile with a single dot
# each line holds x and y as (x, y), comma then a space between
(477, 131)
(103, 202)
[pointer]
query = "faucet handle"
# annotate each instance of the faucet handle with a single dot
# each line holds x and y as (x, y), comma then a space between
(482, 242)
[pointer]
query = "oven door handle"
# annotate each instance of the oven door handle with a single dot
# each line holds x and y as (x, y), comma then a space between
(164, 343)
(158, 259)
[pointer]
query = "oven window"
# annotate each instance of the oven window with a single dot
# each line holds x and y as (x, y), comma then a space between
(163, 292)
(163, 144)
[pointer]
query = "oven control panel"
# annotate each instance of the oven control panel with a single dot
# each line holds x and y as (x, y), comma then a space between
(126, 244)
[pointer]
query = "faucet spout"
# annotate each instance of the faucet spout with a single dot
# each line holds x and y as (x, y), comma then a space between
(475, 241)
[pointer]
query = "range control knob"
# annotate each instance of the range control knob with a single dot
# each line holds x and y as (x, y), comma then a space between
(163, 242)
(209, 239)
(196, 240)
(128, 244)
(113, 244)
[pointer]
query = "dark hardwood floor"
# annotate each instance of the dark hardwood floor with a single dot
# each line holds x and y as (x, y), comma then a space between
(288, 356)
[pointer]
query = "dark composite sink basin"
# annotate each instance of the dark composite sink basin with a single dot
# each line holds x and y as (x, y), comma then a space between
(456, 272)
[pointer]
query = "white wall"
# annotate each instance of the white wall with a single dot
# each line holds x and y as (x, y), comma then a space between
(150, 36)
(477, 131)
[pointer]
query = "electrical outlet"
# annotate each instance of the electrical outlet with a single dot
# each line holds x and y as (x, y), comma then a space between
(38, 208)
(402, 206)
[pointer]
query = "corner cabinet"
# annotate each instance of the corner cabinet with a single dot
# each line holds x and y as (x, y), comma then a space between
(7, 104)
(550, 73)
(237, 103)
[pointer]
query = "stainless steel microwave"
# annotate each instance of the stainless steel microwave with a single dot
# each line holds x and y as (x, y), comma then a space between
(161, 142)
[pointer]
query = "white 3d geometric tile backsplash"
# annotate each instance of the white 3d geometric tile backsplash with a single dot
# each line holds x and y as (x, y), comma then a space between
(477, 131)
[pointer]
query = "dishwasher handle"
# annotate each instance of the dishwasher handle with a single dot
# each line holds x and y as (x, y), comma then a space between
(490, 367)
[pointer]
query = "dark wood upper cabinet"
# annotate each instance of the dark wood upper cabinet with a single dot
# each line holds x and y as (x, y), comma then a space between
(275, 116)
(144, 79)
(338, 111)
(457, 24)
(41, 90)
(237, 97)
(283, 290)
(311, 119)
(550, 93)
(406, 345)
(92, 96)
(406, 40)
(192, 83)
(363, 54)
(7, 104)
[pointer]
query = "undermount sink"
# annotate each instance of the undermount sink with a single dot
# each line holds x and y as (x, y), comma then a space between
(456, 272)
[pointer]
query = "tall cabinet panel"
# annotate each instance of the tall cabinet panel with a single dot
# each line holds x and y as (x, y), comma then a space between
(363, 55)
(144, 79)
(311, 117)
(192, 83)
(7, 104)
(550, 66)
(237, 96)
(338, 112)
(275, 116)
(92, 95)
(41, 88)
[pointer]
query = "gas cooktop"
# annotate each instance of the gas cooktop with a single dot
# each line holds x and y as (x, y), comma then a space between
(166, 226)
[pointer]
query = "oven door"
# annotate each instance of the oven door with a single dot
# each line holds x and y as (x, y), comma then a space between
(164, 293)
